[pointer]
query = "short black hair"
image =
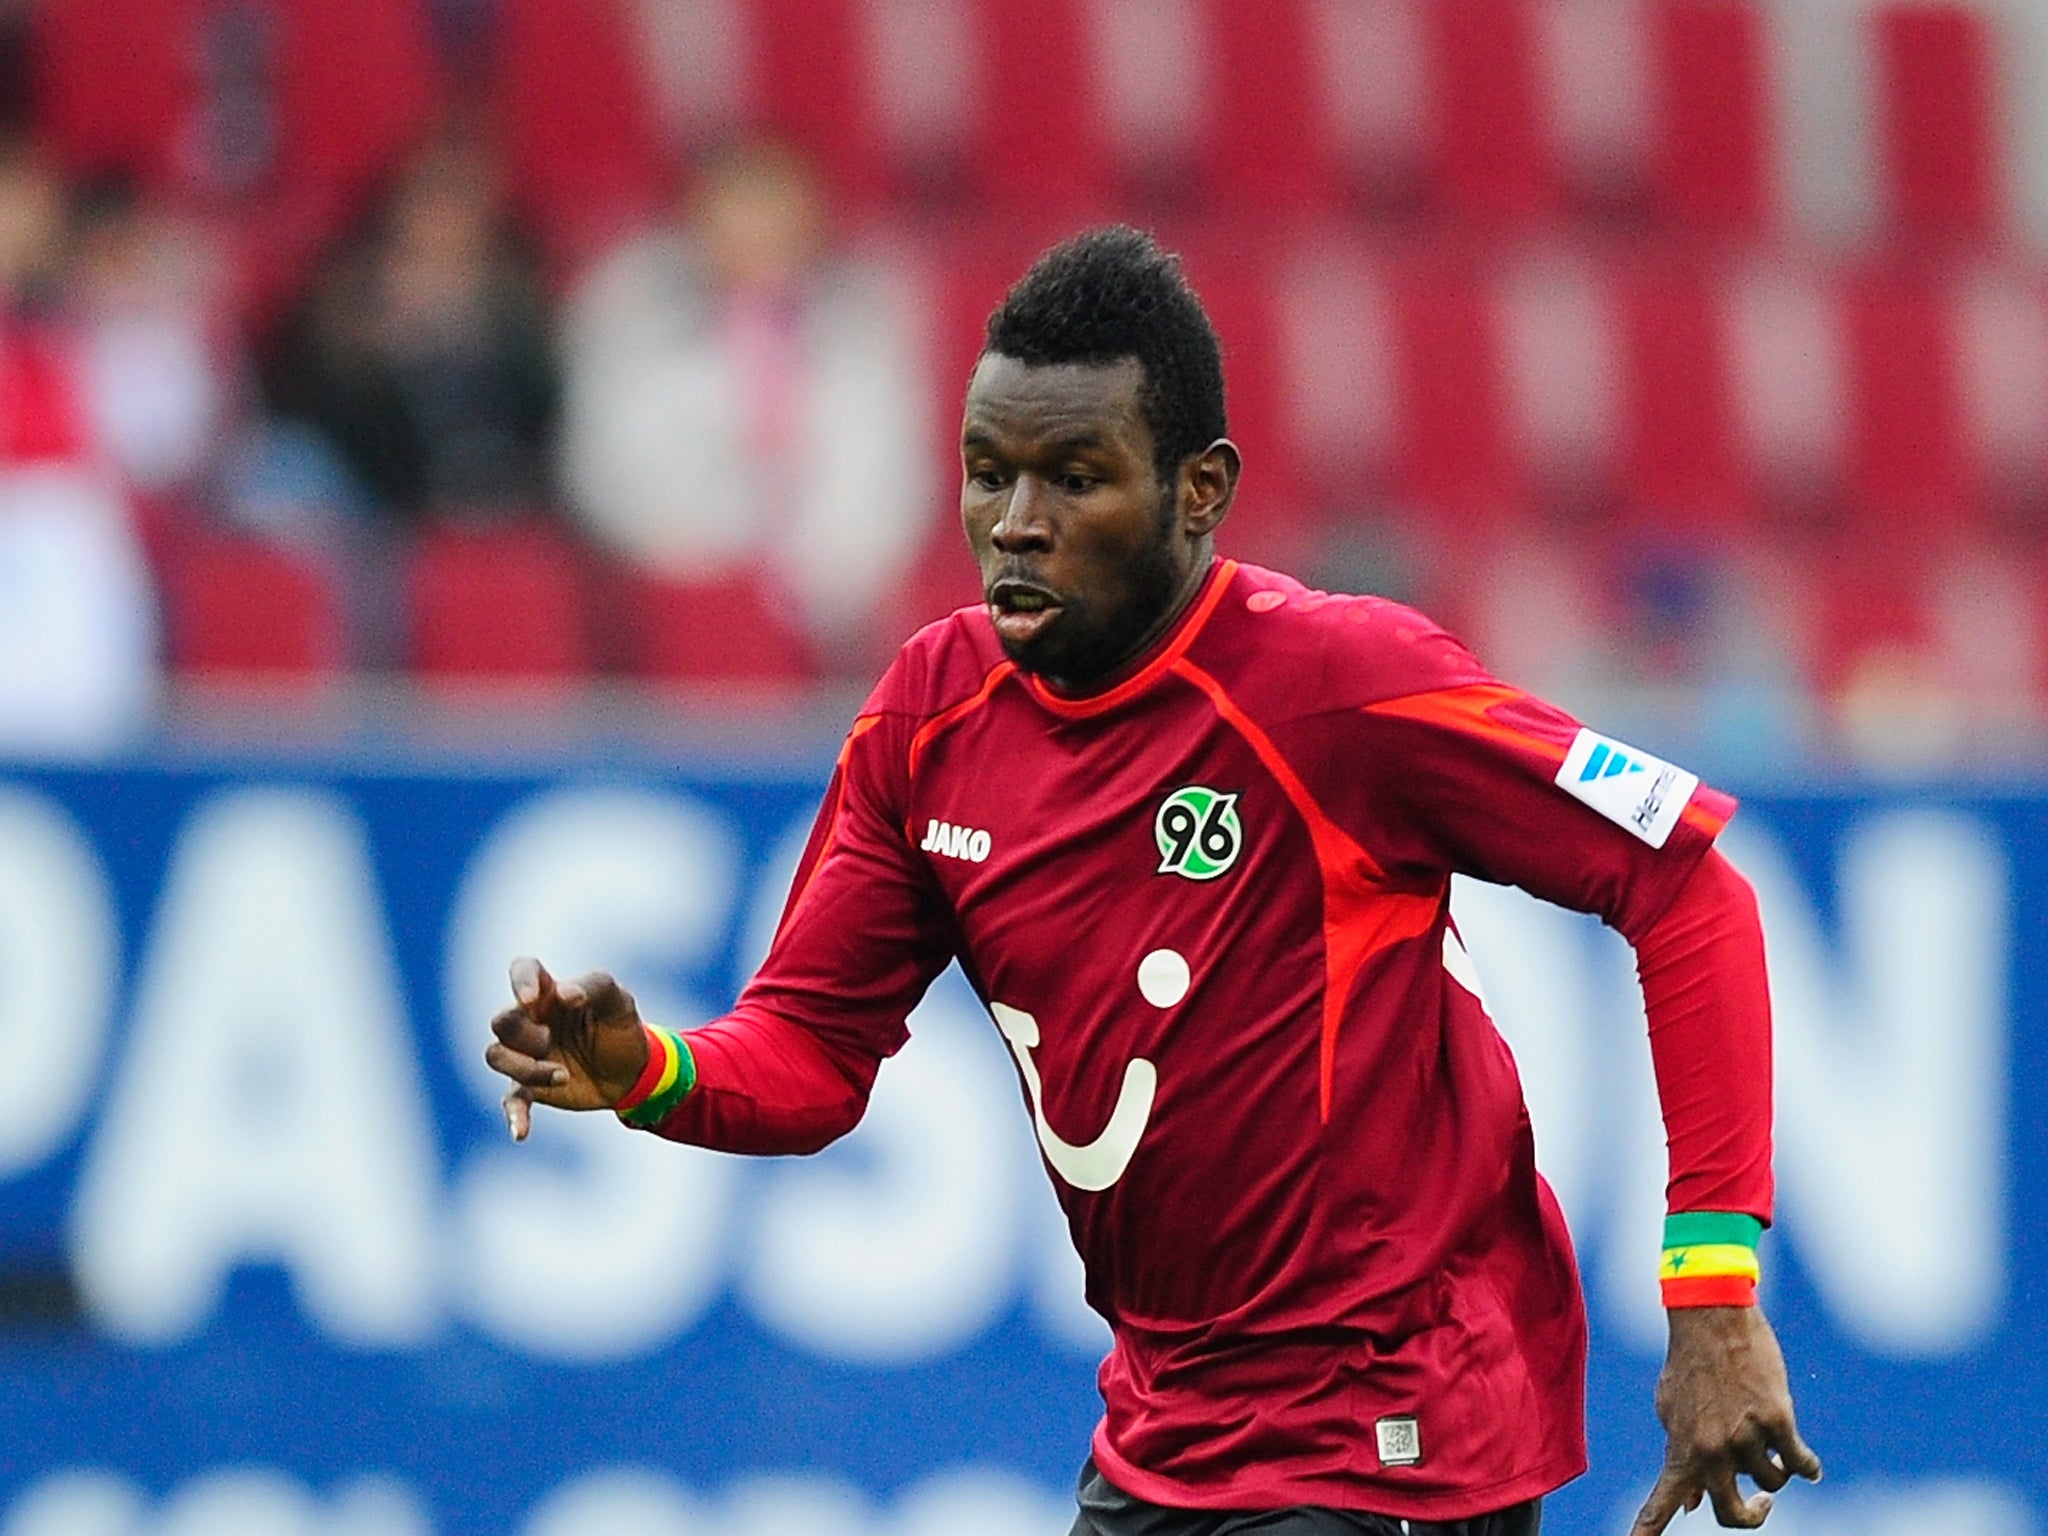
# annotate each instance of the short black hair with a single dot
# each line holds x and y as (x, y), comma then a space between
(1113, 293)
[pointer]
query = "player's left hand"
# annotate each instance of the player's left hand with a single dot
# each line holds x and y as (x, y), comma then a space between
(1726, 1406)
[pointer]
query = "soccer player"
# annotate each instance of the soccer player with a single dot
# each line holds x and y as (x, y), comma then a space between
(1189, 829)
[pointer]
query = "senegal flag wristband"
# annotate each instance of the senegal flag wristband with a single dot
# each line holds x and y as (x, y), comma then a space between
(1710, 1259)
(666, 1080)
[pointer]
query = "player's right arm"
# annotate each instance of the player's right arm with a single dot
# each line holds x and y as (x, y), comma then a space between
(790, 1068)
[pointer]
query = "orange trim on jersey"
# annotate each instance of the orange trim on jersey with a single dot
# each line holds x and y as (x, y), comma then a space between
(861, 726)
(1700, 819)
(946, 718)
(809, 874)
(1361, 916)
(1153, 670)
(1467, 709)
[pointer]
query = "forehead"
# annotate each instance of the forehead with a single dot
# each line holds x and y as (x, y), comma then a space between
(1013, 402)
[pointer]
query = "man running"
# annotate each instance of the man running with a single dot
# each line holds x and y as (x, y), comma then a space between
(1189, 829)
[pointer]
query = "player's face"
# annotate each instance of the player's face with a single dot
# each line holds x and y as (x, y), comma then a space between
(1085, 557)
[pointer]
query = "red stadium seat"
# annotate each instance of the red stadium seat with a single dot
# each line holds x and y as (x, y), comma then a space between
(240, 608)
(499, 602)
(1038, 142)
(1937, 118)
(279, 116)
(1677, 427)
(728, 632)
(1495, 160)
(1267, 143)
(1909, 476)
(1237, 288)
(1710, 162)
(810, 82)
(571, 97)
(1451, 453)
(1338, 365)
(1873, 607)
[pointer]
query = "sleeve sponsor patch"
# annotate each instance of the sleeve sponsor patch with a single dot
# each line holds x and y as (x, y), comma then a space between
(1629, 787)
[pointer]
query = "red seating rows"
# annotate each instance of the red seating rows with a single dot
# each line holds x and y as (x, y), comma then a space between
(513, 602)
(281, 114)
(276, 118)
(1040, 104)
(1521, 328)
(1925, 430)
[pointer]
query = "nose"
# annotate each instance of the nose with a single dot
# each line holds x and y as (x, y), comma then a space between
(1022, 525)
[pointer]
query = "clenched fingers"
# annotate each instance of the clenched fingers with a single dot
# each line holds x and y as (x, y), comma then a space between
(525, 1070)
(1774, 1454)
(517, 1030)
(1730, 1507)
(1800, 1458)
(1763, 1466)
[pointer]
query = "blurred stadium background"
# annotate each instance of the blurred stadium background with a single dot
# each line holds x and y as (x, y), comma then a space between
(461, 462)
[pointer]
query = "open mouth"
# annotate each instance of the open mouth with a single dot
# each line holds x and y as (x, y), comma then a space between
(1021, 610)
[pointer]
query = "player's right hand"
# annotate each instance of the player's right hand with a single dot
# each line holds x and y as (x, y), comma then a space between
(573, 1045)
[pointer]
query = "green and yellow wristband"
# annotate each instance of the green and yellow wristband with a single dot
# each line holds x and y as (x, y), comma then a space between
(1710, 1259)
(666, 1080)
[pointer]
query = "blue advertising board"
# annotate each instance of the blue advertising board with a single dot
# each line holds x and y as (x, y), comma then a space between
(268, 1263)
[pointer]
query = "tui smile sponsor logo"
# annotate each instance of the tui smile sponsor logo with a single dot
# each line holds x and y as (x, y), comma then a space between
(1198, 832)
(1627, 785)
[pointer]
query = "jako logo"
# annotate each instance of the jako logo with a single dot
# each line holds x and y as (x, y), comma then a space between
(969, 843)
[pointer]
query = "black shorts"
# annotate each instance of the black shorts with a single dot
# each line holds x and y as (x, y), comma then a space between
(1107, 1510)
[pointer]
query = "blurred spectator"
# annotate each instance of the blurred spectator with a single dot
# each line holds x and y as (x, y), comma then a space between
(1697, 640)
(747, 408)
(423, 355)
(163, 372)
(77, 609)
(272, 119)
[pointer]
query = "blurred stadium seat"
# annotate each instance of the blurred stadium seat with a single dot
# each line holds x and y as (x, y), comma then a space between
(1678, 450)
(239, 609)
(1479, 265)
(1712, 141)
(1452, 452)
(1908, 474)
(810, 80)
(497, 601)
(275, 118)
(709, 633)
(583, 153)
(1038, 139)
(1937, 120)
(1267, 143)
(1494, 161)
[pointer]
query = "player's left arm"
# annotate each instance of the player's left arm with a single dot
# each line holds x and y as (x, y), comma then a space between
(1487, 780)
(1724, 1397)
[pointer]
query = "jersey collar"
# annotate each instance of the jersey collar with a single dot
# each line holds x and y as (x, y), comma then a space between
(1171, 647)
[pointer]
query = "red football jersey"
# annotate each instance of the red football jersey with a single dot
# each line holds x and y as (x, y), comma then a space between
(1208, 909)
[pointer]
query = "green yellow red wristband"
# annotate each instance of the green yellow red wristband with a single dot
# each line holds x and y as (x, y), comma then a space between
(666, 1080)
(1710, 1259)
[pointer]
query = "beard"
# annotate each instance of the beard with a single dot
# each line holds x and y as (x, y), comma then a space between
(1085, 643)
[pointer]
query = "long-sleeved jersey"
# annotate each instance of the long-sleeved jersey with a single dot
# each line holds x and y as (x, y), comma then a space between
(1208, 909)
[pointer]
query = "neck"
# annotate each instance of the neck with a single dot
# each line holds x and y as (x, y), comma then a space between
(1197, 575)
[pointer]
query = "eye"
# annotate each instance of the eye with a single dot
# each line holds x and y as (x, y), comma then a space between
(986, 479)
(1077, 482)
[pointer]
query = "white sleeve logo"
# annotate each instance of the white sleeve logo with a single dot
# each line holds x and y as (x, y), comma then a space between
(1632, 789)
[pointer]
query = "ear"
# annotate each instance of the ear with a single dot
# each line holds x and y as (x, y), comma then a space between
(1208, 485)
